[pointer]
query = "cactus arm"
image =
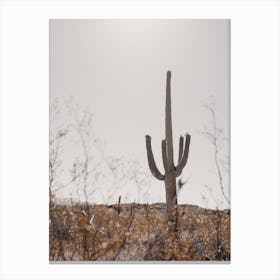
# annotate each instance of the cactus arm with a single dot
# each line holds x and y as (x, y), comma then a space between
(184, 159)
(164, 155)
(181, 146)
(151, 160)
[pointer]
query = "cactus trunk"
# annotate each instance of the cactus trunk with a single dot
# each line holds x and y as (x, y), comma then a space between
(171, 172)
(170, 177)
(170, 189)
(168, 124)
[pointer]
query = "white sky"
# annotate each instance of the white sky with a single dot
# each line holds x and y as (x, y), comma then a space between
(117, 70)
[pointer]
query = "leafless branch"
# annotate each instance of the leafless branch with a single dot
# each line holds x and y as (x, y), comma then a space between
(212, 134)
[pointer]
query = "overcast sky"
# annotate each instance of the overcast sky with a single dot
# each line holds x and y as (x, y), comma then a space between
(116, 69)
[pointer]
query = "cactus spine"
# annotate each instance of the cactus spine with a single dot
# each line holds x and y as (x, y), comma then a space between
(171, 171)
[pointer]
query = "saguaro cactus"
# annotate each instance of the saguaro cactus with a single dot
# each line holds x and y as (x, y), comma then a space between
(171, 171)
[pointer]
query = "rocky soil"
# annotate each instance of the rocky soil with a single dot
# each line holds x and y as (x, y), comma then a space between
(138, 232)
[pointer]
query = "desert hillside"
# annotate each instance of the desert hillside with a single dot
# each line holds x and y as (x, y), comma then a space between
(132, 232)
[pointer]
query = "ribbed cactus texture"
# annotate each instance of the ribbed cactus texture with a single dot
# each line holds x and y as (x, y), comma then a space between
(171, 171)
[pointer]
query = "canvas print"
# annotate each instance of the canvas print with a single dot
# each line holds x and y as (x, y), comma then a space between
(139, 140)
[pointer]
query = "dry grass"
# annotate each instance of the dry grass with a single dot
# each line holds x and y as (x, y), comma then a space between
(138, 232)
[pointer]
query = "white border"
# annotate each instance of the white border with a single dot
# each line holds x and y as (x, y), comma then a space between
(254, 138)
